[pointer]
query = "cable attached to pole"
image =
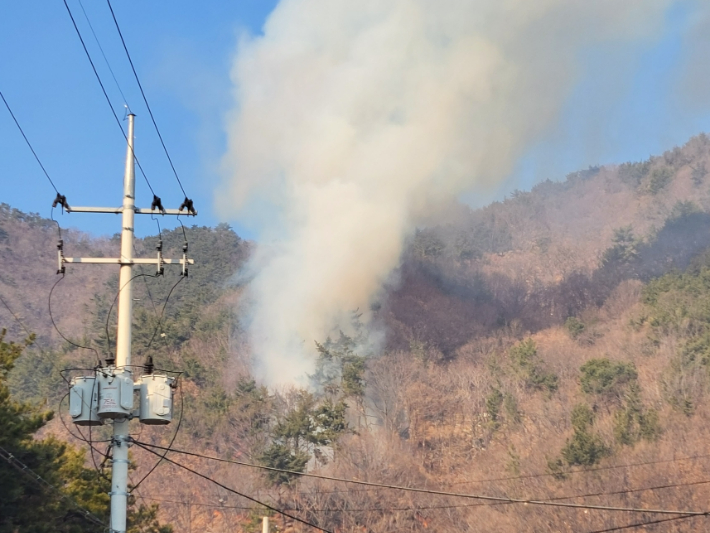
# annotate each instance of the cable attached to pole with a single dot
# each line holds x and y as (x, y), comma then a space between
(51, 317)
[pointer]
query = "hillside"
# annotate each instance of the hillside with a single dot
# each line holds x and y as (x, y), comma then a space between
(552, 346)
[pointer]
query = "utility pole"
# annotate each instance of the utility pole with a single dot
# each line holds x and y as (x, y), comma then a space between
(108, 395)
(264, 524)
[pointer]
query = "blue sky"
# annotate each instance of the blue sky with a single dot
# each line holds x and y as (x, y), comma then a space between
(183, 50)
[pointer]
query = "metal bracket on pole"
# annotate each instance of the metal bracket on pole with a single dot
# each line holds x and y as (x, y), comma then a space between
(137, 210)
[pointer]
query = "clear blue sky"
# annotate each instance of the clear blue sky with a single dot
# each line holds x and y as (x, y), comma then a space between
(183, 51)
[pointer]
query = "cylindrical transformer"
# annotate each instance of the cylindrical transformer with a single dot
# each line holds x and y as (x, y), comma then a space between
(83, 401)
(115, 394)
(156, 399)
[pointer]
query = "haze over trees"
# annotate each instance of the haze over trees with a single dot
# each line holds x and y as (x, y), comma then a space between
(555, 345)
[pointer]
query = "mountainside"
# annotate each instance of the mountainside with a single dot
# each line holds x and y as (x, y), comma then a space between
(554, 346)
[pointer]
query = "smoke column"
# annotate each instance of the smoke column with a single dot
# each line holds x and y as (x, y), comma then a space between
(354, 121)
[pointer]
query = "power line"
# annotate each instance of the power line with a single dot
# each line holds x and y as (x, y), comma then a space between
(103, 89)
(203, 476)
(19, 465)
(150, 111)
(118, 86)
(49, 307)
(28, 143)
(15, 317)
(584, 470)
(503, 499)
(643, 524)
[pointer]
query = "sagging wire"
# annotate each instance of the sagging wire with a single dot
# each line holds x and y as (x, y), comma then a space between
(234, 491)
(501, 500)
(51, 317)
(29, 335)
(23, 468)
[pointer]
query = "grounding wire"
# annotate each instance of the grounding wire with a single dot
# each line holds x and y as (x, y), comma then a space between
(103, 89)
(98, 43)
(150, 112)
(203, 476)
(51, 317)
(20, 466)
(28, 142)
(503, 499)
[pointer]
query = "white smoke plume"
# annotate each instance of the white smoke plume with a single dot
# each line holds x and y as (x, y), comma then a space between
(355, 121)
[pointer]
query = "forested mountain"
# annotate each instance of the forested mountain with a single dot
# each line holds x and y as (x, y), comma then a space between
(553, 346)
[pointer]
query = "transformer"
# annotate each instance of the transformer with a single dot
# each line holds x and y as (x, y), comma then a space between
(156, 399)
(115, 394)
(83, 401)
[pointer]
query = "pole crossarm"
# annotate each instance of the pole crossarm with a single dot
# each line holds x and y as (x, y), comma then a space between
(136, 210)
(118, 261)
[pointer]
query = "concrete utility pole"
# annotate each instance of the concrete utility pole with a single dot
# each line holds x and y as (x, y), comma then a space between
(109, 394)
(119, 464)
(265, 524)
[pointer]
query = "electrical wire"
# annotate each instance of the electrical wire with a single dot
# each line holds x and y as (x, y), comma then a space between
(644, 524)
(266, 505)
(23, 468)
(584, 470)
(503, 499)
(98, 43)
(162, 313)
(15, 317)
(103, 89)
(51, 317)
(28, 143)
(150, 111)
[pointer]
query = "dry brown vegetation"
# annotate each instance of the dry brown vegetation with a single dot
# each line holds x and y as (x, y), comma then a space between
(479, 387)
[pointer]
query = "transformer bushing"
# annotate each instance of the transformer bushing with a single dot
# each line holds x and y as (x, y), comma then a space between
(84, 401)
(156, 399)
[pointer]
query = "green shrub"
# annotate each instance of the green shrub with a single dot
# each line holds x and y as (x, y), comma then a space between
(584, 448)
(633, 422)
(574, 326)
(523, 354)
(659, 178)
(605, 377)
(524, 358)
(494, 402)
(510, 405)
